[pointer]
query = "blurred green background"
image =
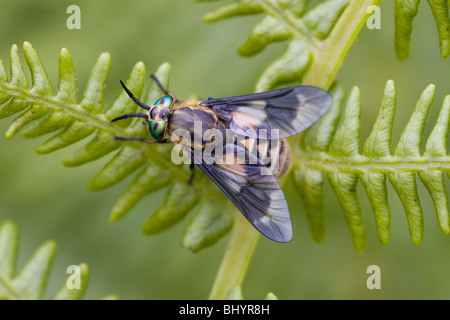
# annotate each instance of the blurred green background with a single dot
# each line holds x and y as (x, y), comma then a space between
(50, 201)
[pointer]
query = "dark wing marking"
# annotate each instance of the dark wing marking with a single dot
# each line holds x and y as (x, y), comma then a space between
(258, 197)
(290, 110)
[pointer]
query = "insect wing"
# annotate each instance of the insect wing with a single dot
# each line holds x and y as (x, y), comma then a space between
(290, 110)
(258, 197)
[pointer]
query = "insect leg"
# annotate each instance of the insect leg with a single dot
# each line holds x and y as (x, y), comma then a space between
(192, 168)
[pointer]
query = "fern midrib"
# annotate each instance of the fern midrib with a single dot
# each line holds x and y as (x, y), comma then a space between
(333, 50)
(99, 121)
(75, 110)
(362, 164)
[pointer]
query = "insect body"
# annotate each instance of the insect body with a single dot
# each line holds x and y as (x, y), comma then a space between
(258, 124)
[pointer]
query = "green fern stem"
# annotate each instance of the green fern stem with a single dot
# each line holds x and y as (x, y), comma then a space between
(360, 164)
(236, 260)
(331, 52)
(75, 110)
(329, 56)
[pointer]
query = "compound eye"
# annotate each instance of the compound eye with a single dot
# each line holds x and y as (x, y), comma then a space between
(164, 102)
(157, 129)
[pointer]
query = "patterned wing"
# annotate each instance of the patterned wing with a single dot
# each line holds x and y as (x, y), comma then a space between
(253, 190)
(290, 110)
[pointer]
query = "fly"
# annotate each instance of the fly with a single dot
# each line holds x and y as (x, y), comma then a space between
(258, 124)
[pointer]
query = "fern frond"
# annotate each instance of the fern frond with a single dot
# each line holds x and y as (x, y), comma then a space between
(406, 11)
(43, 112)
(324, 148)
(335, 151)
(31, 281)
(284, 21)
(310, 33)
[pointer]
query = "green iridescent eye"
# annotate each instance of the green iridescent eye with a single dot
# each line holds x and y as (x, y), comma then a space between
(164, 102)
(157, 129)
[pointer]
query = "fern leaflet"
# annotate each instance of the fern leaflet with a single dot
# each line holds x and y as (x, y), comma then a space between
(335, 151)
